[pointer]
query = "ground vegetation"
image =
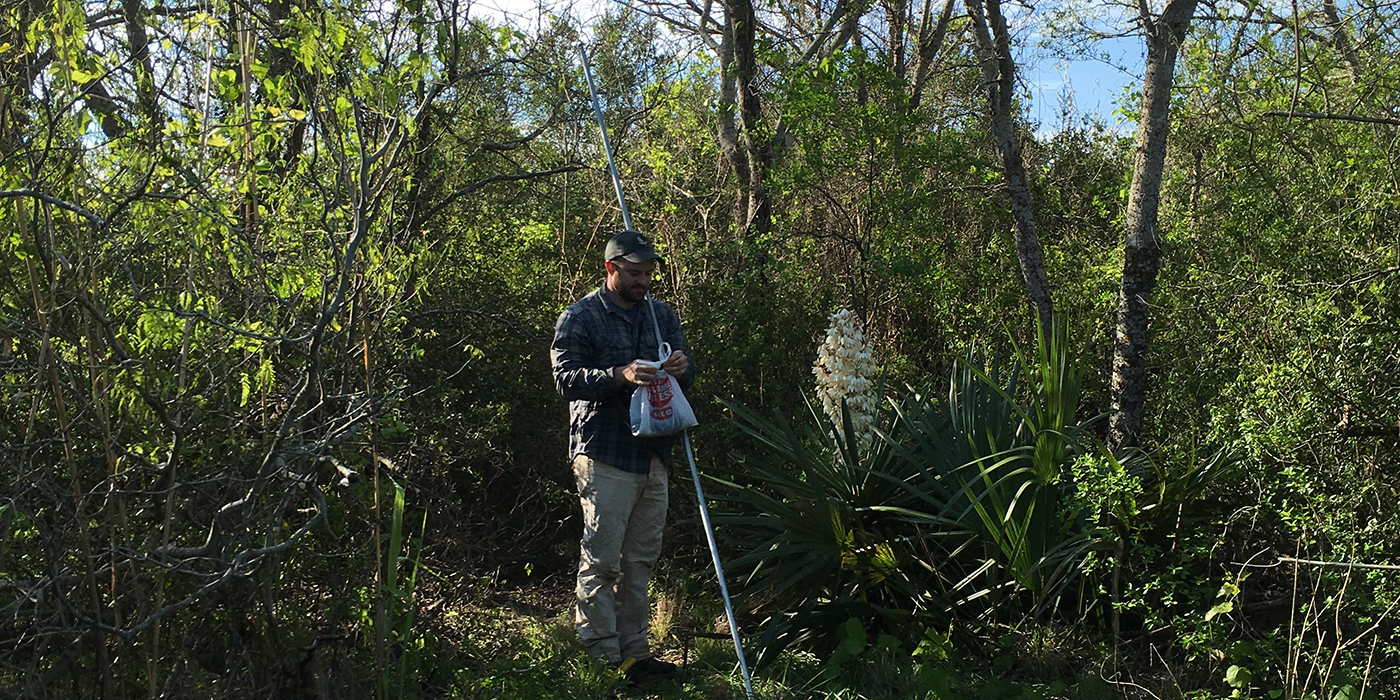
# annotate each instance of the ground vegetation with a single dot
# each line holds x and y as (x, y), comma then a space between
(278, 282)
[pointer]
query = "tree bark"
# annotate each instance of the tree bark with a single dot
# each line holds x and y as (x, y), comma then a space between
(993, 46)
(138, 43)
(930, 42)
(1341, 39)
(281, 62)
(728, 131)
(1142, 254)
(758, 213)
(898, 13)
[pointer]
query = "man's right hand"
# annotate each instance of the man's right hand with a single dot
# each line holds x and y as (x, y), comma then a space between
(638, 373)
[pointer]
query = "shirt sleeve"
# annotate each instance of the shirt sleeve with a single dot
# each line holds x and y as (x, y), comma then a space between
(574, 357)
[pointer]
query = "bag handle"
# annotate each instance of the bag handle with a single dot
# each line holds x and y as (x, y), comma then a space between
(663, 350)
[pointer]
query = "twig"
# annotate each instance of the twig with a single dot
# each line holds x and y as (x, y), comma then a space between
(65, 205)
(1331, 115)
(1315, 562)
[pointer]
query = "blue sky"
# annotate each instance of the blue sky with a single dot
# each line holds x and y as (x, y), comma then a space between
(1095, 73)
(1096, 86)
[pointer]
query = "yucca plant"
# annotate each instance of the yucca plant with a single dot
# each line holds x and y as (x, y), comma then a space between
(993, 453)
(951, 507)
(825, 530)
(818, 509)
(964, 506)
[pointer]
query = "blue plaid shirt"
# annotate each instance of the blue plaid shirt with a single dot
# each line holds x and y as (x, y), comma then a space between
(591, 338)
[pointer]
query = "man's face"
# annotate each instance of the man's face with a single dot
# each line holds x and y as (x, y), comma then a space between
(630, 280)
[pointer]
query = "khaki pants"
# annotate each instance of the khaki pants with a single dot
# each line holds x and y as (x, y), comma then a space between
(623, 514)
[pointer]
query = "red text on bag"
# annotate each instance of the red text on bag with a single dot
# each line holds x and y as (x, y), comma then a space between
(659, 396)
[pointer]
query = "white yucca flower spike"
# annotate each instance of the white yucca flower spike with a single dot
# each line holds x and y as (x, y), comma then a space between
(844, 370)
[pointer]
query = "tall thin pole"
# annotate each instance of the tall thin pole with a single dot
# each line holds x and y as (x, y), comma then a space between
(689, 454)
(607, 147)
(719, 568)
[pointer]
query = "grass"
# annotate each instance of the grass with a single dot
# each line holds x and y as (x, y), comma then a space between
(514, 653)
(510, 643)
(509, 649)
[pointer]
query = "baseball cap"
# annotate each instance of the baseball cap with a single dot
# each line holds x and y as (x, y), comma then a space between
(630, 246)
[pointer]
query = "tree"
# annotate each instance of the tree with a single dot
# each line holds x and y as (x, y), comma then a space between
(1164, 35)
(207, 277)
(993, 45)
(749, 146)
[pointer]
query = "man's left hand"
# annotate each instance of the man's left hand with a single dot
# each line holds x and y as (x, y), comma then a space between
(676, 365)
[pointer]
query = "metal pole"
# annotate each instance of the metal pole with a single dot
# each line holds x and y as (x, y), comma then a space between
(607, 147)
(689, 454)
(719, 568)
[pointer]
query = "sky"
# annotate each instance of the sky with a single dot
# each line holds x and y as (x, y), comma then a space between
(1095, 86)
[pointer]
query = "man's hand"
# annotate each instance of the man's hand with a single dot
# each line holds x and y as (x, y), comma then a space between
(676, 365)
(638, 373)
(643, 372)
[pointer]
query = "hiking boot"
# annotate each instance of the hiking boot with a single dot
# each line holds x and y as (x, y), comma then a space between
(650, 667)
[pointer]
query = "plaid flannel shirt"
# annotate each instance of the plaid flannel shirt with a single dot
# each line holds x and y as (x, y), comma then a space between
(591, 338)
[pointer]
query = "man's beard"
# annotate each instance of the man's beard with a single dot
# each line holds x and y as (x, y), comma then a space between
(634, 294)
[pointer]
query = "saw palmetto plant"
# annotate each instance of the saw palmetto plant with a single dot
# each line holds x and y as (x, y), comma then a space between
(827, 531)
(953, 510)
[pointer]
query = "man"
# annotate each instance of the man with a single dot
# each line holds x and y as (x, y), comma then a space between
(603, 345)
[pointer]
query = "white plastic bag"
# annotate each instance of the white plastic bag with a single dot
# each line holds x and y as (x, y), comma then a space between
(660, 408)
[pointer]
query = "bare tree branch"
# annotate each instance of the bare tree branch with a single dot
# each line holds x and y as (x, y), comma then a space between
(1333, 116)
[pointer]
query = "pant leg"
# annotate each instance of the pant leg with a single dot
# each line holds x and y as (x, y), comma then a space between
(607, 495)
(641, 547)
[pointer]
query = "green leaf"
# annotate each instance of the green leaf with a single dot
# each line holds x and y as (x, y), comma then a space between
(936, 681)
(1220, 609)
(853, 642)
(306, 53)
(1238, 677)
(1348, 692)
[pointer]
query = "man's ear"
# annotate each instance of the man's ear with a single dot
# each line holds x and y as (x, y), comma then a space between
(609, 266)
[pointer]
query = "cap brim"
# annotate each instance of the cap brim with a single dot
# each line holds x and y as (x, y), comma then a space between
(641, 257)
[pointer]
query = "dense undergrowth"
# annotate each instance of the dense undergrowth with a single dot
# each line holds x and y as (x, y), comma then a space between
(278, 282)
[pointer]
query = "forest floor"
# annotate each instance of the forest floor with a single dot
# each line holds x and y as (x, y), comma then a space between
(518, 641)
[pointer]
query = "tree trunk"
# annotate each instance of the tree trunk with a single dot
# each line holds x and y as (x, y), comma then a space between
(1341, 38)
(998, 74)
(898, 13)
(280, 61)
(930, 42)
(757, 211)
(1142, 255)
(134, 15)
(728, 131)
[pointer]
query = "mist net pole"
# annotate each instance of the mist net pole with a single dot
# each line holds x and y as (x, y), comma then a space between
(719, 568)
(607, 147)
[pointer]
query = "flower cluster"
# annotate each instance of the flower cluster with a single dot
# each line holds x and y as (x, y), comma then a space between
(844, 370)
